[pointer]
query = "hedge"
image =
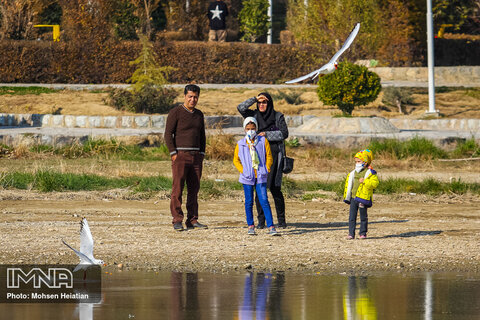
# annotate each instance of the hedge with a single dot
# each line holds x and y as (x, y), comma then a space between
(201, 62)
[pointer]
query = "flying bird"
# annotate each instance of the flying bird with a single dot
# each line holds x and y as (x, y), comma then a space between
(331, 66)
(86, 248)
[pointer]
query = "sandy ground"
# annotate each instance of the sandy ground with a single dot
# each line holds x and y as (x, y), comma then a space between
(406, 233)
(454, 104)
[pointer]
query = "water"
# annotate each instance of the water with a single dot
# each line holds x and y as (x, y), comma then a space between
(171, 295)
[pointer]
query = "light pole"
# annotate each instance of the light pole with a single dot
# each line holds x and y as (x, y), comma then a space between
(270, 14)
(431, 63)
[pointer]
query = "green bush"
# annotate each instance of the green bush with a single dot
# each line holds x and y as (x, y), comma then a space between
(349, 86)
(419, 147)
(254, 21)
(469, 148)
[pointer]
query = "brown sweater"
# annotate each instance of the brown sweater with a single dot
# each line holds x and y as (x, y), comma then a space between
(185, 130)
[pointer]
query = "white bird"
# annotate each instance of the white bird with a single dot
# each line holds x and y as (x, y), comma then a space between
(331, 66)
(86, 248)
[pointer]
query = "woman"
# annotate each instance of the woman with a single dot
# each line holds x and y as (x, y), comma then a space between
(271, 125)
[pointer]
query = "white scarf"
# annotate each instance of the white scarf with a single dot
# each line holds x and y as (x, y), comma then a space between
(253, 152)
(348, 196)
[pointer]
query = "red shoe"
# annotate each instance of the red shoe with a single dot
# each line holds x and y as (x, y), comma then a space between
(363, 236)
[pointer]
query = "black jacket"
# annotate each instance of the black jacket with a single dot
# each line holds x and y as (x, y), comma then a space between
(219, 9)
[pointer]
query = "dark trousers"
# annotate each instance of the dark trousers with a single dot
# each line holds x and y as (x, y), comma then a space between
(187, 167)
(279, 206)
(352, 221)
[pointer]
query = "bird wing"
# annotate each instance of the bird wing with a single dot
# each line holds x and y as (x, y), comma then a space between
(347, 43)
(311, 74)
(83, 258)
(86, 240)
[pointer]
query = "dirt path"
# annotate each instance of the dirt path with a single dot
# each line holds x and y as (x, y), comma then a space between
(405, 234)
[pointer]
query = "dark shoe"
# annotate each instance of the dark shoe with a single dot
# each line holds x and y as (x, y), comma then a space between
(282, 225)
(261, 225)
(273, 232)
(178, 226)
(197, 225)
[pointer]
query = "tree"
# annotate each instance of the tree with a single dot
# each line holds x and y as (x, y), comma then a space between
(144, 10)
(325, 24)
(191, 19)
(125, 21)
(16, 19)
(397, 97)
(148, 69)
(87, 20)
(455, 12)
(349, 86)
(148, 94)
(254, 21)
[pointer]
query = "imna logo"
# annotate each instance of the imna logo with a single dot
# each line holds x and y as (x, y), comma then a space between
(54, 278)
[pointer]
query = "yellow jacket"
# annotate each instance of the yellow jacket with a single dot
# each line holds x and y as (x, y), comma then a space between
(365, 189)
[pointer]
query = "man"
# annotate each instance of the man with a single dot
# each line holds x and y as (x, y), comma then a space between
(217, 12)
(185, 139)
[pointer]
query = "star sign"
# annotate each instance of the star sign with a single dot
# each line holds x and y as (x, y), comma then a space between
(216, 13)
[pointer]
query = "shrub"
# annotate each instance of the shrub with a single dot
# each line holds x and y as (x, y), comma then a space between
(397, 97)
(468, 148)
(254, 21)
(231, 62)
(290, 97)
(148, 95)
(148, 99)
(349, 86)
(419, 147)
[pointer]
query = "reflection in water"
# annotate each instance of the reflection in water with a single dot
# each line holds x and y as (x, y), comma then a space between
(172, 295)
(428, 296)
(263, 298)
(357, 302)
(248, 308)
(84, 311)
(184, 307)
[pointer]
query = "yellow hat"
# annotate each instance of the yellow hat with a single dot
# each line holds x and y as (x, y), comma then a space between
(365, 155)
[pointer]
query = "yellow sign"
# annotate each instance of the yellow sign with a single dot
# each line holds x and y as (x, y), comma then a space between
(441, 31)
(56, 30)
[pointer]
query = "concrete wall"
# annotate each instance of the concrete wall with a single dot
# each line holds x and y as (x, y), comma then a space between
(468, 125)
(457, 76)
(120, 122)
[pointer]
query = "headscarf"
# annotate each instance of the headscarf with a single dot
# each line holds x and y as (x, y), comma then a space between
(365, 155)
(252, 142)
(266, 120)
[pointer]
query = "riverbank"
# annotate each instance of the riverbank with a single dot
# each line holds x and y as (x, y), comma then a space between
(407, 233)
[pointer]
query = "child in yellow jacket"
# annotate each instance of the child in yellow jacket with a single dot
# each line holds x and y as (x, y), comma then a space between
(358, 193)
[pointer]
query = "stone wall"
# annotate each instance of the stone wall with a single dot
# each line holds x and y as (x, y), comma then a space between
(444, 76)
(158, 122)
(120, 122)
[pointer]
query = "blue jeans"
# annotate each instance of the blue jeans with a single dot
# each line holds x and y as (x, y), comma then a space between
(261, 189)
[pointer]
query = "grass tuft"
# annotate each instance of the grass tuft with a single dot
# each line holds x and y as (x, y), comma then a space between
(25, 90)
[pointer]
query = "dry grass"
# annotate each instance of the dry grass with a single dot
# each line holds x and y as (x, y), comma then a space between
(220, 146)
(459, 103)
